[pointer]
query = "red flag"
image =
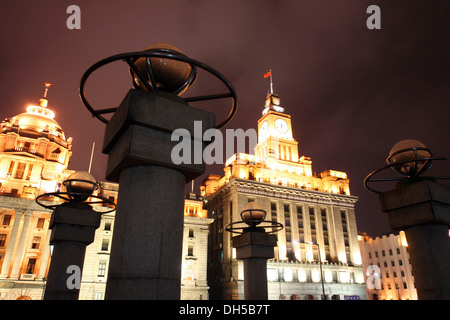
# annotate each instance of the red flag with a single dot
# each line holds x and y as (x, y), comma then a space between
(266, 75)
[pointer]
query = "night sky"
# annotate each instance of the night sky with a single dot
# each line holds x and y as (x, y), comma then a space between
(352, 92)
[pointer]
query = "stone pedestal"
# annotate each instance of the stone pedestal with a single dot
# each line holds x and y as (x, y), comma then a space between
(145, 261)
(255, 248)
(422, 210)
(73, 229)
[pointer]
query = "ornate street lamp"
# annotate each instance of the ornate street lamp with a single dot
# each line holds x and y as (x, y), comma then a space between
(254, 245)
(138, 139)
(73, 224)
(420, 206)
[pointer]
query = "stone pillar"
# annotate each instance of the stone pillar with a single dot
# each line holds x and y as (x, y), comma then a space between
(73, 228)
(23, 237)
(422, 210)
(12, 244)
(145, 261)
(255, 248)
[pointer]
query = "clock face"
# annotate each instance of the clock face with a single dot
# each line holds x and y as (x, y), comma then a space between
(264, 128)
(281, 125)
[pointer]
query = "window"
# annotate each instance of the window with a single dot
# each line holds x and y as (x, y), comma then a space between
(36, 242)
(190, 251)
(344, 221)
(273, 211)
(105, 244)
(108, 224)
(312, 219)
(2, 240)
(191, 233)
(101, 268)
(273, 206)
(20, 170)
(6, 220)
(11, 169)
(40, 223)
(30, 169)
(30, 266)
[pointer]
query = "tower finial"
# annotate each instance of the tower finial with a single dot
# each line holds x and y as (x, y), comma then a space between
(47, 85)
(44, 102)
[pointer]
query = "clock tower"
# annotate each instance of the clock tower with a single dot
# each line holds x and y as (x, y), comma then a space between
(275, 139)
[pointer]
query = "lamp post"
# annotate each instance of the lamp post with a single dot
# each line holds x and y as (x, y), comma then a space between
(254, 246)
(145, 261)
(320, 267)
(73, 224)
(420, 206)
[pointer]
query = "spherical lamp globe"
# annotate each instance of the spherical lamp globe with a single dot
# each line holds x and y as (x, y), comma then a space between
(253, 214)
(404, 157)
(80, 185)
(170, 75)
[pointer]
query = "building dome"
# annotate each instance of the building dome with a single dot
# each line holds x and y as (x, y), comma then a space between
(37, 121)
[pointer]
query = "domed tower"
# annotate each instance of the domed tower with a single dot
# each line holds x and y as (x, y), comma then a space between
(34, 152)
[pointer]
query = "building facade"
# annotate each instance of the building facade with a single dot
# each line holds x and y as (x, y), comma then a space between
(317, 212)
(388, 268)
(34, 158)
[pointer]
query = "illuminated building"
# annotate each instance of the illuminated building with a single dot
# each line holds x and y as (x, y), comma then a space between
(34, 158)
(315, 209)
(390, 254)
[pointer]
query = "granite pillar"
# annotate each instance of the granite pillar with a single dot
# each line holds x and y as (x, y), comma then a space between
(145, 261)
(422, 210)
(73, 229)
(254, 248)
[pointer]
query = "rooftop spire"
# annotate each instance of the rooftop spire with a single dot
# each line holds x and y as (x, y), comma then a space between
(44, 102)
(272, 99)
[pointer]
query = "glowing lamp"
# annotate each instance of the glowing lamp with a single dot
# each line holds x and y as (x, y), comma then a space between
(409, 157)
(253, 214)
(80, 185)
(168, 75)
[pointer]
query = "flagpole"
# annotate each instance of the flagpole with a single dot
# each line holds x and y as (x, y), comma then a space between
(92, 155)
(271, 82)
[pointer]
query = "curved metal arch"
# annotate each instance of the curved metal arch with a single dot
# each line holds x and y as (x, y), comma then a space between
(235, 228)
(66, 196)
(369, 178)
(131, 57)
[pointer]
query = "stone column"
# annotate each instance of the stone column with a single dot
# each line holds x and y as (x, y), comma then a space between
(255, 248)
(12, 243)
(145, 261)
(422, 210)
(21, 247)
(73, 228)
